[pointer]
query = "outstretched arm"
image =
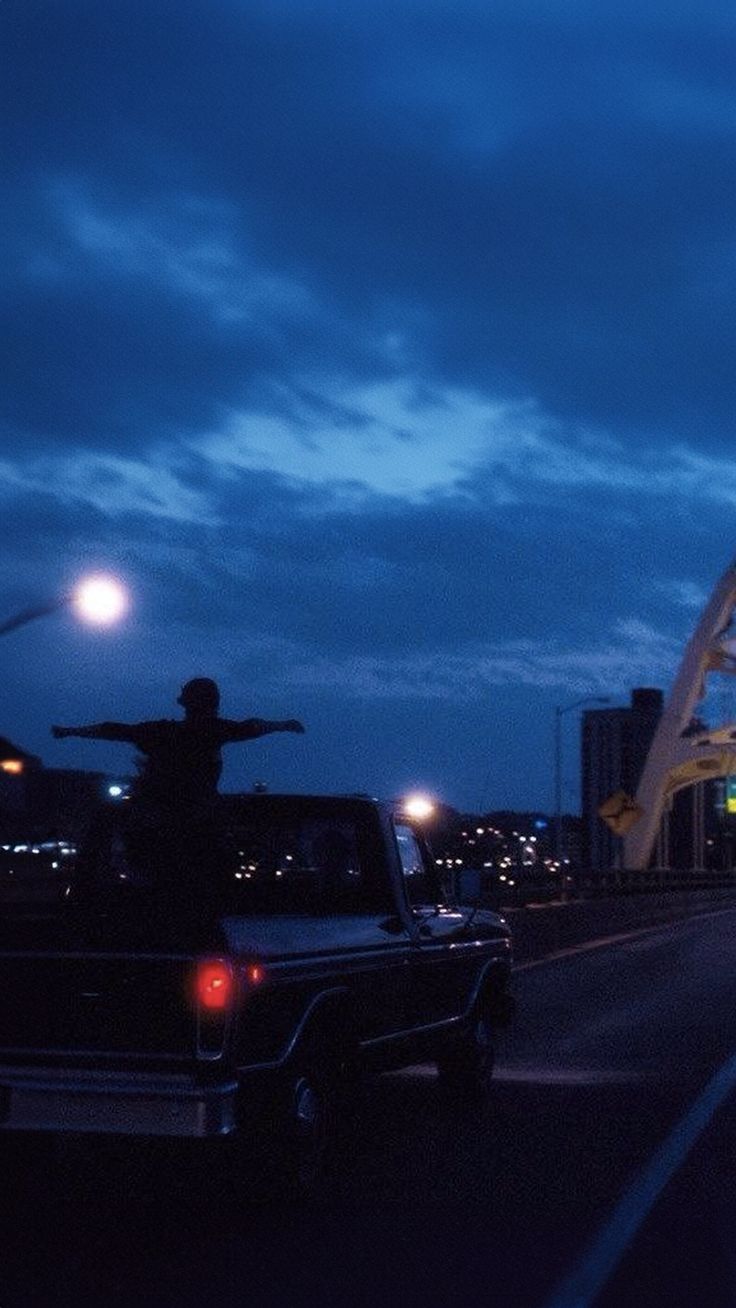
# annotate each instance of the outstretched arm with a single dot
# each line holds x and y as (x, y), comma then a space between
(251, 728)
(98, 731)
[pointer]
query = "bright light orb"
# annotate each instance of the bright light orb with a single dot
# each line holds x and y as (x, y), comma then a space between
(99, 600)
(419, 807)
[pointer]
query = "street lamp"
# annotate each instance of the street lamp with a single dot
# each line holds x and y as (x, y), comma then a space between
(99, 600)
(419, 807)
(559, 712)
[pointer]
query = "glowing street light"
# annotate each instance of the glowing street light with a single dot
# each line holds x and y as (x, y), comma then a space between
(419, 807)
(97, 599)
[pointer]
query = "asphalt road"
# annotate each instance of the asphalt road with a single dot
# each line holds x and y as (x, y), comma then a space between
(604, 1173)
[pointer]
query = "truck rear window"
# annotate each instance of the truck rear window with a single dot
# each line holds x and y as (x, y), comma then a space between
(255, 858)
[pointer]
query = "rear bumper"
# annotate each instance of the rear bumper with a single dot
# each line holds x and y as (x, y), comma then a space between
(41, 1099)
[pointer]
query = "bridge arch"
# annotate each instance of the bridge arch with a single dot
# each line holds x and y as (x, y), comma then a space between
(680, 756)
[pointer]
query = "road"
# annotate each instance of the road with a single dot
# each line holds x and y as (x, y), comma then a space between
(604, 1174)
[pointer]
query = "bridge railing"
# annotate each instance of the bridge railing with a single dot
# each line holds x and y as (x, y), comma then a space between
(588, 884)
(595, 908)
(585, 884)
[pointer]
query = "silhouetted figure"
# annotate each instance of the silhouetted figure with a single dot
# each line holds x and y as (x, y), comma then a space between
(173, 812)
(182, 759)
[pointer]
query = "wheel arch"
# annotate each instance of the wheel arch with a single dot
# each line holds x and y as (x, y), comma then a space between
(330, 1016)
(490, 994)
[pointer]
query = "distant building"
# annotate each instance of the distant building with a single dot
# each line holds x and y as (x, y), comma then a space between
(16, 765)
(39, 803)
(14, 761)
(615, 744)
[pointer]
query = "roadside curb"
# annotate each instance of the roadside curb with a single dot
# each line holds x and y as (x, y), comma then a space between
(541, 931)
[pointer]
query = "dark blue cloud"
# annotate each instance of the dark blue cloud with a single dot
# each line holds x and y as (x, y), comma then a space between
(387, 349)
(551, 202)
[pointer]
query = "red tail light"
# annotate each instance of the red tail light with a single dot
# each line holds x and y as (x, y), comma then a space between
(214, 986)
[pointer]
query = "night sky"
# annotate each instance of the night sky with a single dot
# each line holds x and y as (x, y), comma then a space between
(386, 350)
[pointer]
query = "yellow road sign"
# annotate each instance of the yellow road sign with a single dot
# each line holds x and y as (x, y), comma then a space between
(620, 812)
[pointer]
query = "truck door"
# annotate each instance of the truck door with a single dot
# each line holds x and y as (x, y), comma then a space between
(445, 960)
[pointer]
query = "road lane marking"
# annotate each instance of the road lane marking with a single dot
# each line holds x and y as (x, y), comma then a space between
(535, 1075)
(568, 1076)
(585, 948)
(643, 946)
(604, 942)
(585, 1283)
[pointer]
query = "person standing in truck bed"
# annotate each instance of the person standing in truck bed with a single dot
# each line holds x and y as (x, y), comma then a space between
(182, 759)
(173, 828)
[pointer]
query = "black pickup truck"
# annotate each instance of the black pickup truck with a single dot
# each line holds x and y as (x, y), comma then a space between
(325, 947)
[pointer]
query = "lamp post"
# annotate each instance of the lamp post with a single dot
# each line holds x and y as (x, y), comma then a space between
(559, 713)
(97, 599)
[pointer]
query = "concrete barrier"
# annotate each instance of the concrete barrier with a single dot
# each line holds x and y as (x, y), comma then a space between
(543, 929)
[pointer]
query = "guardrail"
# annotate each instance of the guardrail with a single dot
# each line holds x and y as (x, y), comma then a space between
(541, 930)
(498, 891)
(552, 916)
(588, 884)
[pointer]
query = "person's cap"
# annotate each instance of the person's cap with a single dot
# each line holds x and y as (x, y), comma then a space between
(200, 692)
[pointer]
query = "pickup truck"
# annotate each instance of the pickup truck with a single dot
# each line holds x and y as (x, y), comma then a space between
(324, 947)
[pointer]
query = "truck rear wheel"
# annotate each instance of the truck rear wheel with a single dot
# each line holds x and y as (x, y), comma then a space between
(310, 1128)
(466, 1068)
(305, 1132)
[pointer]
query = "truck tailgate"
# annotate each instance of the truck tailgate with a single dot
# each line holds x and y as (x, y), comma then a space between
(100, 1003)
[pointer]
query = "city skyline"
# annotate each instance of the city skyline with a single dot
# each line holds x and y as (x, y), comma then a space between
(385, 354)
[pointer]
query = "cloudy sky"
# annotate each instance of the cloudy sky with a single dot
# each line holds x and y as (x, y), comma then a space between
(386, 349)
